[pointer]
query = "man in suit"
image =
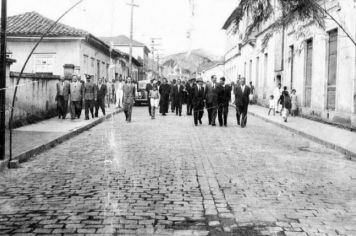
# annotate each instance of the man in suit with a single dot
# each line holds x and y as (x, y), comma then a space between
(190, 91)
(62, 96)
(164, 90)
(119, 92)
(177, 96)
(76, 97)
(198, 101)
(90, 95)
(242, 93)
(224, 97)
(212, 100)
(100, 97)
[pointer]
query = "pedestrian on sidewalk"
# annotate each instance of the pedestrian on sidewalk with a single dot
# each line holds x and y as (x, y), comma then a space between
(252, 94)
(76, 97)
(224, 97)
(242, 94)
(129, 92)
(271, 105)
(294, 100)
(190, 91)
(212, 100)
(164, 91)
(109, 97)
(90, 95)
(100, 97)
(154, 100)
(286, 103)
(198, 102)
(277, 92)
(119, 92)
(62, 96)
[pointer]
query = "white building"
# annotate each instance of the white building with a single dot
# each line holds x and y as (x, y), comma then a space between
(210, 69)
(63, 45)
(320, 64)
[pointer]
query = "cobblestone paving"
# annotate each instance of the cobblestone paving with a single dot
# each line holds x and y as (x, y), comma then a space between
(167, 177)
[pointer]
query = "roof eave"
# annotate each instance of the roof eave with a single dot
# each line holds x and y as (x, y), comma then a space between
(236, 15)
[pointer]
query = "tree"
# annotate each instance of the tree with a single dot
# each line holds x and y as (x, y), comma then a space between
(288, 13)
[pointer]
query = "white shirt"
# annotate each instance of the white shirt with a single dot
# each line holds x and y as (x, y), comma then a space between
(243, 87)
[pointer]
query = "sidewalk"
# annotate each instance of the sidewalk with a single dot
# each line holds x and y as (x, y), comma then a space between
(30, 140)
(339, 139)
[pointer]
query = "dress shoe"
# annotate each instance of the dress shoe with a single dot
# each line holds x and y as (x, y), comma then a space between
(200, 122)
(213, 125)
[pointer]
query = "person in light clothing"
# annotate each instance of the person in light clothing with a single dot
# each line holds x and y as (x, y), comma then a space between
(119, 92)
(277, 92)
(294, 99)
(272, 105)
(154, 100)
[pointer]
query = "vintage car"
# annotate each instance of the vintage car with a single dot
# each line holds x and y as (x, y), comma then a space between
(141, 93)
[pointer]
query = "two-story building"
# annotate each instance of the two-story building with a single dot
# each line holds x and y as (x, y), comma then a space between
(319, 63)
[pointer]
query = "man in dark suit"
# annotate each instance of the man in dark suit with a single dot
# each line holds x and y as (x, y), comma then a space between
(164, 90)
(62, 96)
(242, 93)
(177, 96)
(90, 95)
(212, 100)
(190, 91)
(100, 97)
(198, 101)
(224, 97)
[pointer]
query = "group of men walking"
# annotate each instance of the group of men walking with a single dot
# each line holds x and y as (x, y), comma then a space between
(213, 96)
(78, 93)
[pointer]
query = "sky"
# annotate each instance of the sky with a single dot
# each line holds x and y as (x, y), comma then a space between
(169, 20)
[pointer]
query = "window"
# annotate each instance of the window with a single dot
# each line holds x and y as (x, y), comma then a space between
(44, 62)
(250, 71)
(332, 67)
(308, 73)
(245, 70)
(85, 63)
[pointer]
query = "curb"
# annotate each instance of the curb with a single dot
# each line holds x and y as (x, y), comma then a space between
(27, 155)
(348, 154)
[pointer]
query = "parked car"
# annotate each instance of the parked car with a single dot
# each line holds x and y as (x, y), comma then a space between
(141, 93)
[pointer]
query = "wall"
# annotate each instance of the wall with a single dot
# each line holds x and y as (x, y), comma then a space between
(35, 98)
(64, 51)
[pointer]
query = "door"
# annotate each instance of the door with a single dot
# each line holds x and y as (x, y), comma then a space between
(332, 68)
(308, 73)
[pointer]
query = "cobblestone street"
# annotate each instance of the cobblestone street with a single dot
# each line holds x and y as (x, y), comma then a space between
(168, 177)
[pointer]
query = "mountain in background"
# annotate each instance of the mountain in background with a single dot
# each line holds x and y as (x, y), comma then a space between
(189, 61)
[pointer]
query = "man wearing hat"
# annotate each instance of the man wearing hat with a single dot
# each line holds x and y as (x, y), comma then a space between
(198, 101)
(90, 95)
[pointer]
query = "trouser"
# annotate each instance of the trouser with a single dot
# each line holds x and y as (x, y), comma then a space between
(100, 103)
(285, 113)
(198, 114)
(62, 107)
(178, 108)
(75, 109)
(212, 112)
(223, 111)
(128, 112)
(119, 96)
(149, 107)
(189, 106)
(89, 106)
(172, 106)
(241, 114)
(154, 105)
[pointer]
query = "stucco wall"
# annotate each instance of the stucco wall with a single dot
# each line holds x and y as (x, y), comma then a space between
(35, 98)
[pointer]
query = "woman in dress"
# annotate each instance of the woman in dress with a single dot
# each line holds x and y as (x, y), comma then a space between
(129, 91)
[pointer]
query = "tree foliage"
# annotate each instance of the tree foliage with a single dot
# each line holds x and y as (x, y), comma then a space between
(286, 13)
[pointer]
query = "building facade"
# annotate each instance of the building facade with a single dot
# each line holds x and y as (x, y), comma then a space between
(319, 63)
(63, 45)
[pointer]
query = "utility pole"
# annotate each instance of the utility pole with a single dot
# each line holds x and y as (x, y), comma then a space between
(153, 48)
(3, 78)
(132, 4)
